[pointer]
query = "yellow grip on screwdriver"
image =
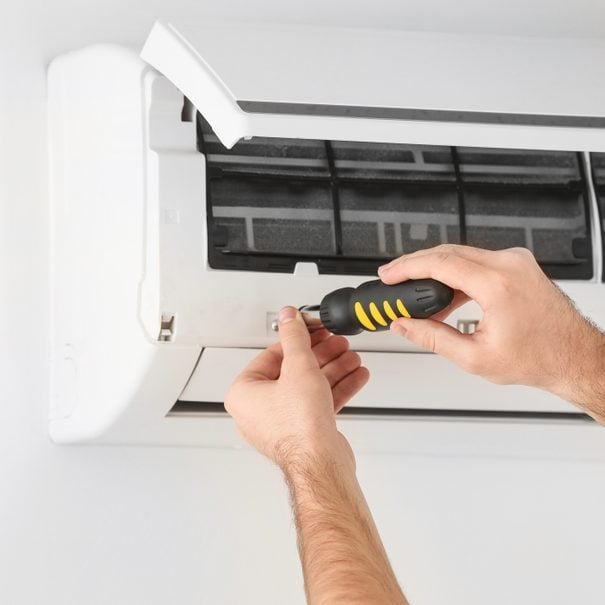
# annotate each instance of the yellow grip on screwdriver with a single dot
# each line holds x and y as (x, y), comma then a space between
(373, 305)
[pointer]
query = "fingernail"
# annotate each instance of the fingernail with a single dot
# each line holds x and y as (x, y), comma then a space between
(399, 329)
(287, 314)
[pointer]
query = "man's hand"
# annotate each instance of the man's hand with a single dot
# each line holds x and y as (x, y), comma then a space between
(284, 402)
(530, 332)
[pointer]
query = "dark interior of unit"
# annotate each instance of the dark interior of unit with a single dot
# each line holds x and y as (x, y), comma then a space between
(349, 206)
(189, 408)
(597, 162)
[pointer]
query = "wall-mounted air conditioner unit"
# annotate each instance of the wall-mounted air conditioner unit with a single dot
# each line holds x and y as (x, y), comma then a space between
(236, 169)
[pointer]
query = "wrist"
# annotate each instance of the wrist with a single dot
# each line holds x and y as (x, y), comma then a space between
(305, 458)
(582, 379)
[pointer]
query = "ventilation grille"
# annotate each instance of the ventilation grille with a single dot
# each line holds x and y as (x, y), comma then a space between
(348, 206)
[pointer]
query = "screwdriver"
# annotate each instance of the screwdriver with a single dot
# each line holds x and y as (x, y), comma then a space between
(373, 306)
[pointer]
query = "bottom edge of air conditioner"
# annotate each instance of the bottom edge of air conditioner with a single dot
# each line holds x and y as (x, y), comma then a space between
(203, 408)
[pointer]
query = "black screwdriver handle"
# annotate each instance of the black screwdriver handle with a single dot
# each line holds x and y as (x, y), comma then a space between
(372, 306)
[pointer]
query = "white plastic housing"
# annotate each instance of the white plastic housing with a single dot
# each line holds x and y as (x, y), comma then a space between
(114, 266)
(129, 242)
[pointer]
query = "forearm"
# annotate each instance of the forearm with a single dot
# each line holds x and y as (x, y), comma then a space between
(583, 374)
(341, 552)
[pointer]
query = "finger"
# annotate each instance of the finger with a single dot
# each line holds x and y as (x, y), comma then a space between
(330, 349)
(295, 341)
(319, 336)
(449, 268)
(478, 255)
(437, 337)
(460, 298)
(349, 386)
(265, 366)
(338, 368)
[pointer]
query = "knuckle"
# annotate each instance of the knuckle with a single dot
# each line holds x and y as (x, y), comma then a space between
(339, 343)
(295, 337)
(347, 359)
(520, 257)
(522, 252)
(355, 358)
(446, 249)
(442, 256)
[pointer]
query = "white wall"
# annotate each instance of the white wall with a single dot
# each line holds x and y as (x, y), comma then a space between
(114, 525)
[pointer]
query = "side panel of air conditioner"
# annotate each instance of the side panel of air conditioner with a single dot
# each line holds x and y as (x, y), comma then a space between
(108, 363)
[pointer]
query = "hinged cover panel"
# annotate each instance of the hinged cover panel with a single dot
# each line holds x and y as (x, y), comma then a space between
(247, 79)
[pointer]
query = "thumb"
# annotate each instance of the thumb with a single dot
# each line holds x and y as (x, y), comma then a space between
(435, 336)
(295, 339)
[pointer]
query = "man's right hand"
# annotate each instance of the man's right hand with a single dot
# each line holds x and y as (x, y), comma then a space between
(530, 333)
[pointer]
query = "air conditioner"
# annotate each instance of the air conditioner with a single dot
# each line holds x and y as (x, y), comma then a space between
(232, 169)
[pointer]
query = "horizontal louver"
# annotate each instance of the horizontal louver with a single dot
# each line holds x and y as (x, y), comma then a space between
(348, 206)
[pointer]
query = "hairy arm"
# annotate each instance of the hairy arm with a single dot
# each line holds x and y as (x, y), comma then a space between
(341, 552)
(284, 404)
(581, 376)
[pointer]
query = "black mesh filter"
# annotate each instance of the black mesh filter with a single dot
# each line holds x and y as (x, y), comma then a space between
(392, 162)
(518, 167)
(547, 222)
(349, 206)
(533, 199)
(258, 157)
(387, 220)
(273, 216)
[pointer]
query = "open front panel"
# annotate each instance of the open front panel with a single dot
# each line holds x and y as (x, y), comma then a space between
(597, 161)
(349, 206)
